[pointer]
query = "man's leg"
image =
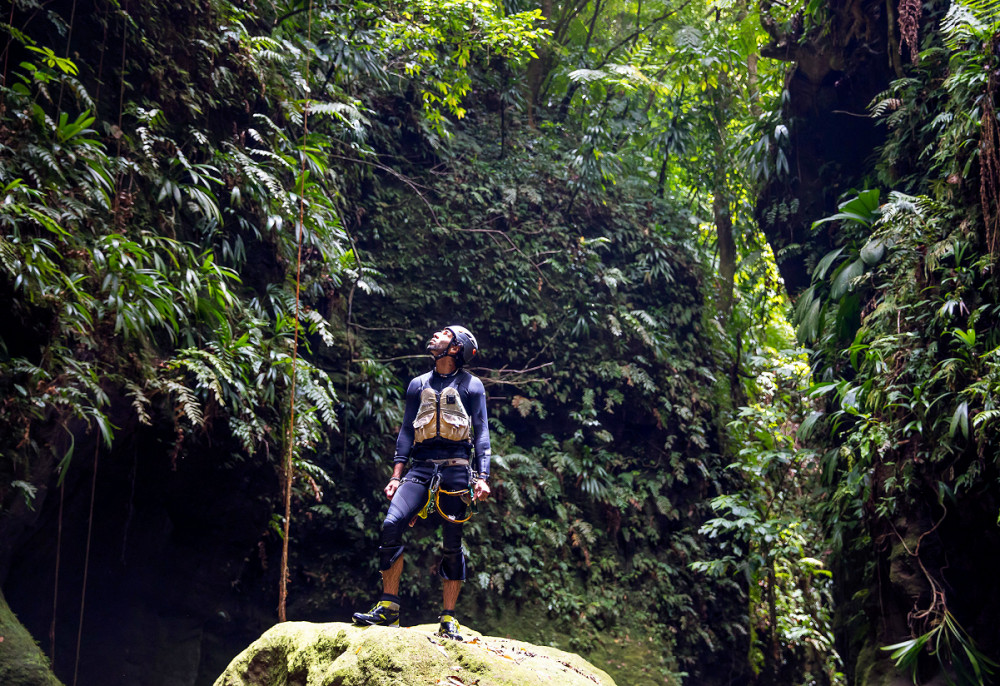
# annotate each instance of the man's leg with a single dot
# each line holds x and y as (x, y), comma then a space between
(390, 578)
(452, 568)
(405, 503)
(451, 591)
(450, 627)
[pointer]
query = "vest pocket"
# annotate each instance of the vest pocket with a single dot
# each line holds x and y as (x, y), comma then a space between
(454, 419)
(454, 426)
(423, 427)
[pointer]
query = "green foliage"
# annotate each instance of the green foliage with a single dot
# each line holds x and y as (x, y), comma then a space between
(943, 643)
(839, 271)
(902, 316)
(143, 244)
(151, 242)
(768, 536)
(435, 42)
(151, 317)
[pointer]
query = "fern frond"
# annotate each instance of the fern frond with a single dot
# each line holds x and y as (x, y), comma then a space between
(140, 403)
(8, 257)
(187, 403)
(689, 37)
(587, 75)
(877, 109)
(342, 110)
(204, 373)
(985, 417)
(586, 530)
(272, 56)
(275, 129)
(971, 21)
(271, 155)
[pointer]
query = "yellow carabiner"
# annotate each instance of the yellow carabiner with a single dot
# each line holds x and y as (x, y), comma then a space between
(432, 489)
(437, 502)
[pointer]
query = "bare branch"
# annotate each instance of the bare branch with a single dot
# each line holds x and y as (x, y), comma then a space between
(402, 177)
(502, 372)
(381, 328)
(394, 359)
(513, 246)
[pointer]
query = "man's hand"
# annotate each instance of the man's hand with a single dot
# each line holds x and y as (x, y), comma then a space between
(390, 488)
(481, 489)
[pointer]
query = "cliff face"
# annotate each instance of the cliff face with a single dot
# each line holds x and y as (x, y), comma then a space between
(309, 654)
(916, 544)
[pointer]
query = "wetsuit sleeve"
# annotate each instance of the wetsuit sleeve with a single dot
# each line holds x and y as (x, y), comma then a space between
(480, 426)
(404, 442)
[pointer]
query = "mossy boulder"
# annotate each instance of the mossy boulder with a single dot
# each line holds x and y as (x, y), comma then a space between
(336, 654)
(22, 663)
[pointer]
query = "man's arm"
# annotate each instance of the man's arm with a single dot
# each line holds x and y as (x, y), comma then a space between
(481, 437)
(394, 480)
(404, 442)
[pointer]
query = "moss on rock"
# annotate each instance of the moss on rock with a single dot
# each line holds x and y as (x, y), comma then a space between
(22, 663)
(875, 668)
(335, 654)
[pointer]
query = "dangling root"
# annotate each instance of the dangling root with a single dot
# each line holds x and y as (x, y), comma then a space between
(989, 162)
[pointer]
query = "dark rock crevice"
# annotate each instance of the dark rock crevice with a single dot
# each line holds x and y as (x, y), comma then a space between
(170, 566)
(838, 67)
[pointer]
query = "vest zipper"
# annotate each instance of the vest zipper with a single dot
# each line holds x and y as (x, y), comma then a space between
(437, 397)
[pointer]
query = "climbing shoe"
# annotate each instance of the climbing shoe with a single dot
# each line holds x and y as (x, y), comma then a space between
(384, 613)
(450, 627)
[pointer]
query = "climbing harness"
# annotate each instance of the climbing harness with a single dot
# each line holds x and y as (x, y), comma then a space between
(434, 492)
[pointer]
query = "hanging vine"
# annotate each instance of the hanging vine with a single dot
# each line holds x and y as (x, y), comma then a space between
(989, 156)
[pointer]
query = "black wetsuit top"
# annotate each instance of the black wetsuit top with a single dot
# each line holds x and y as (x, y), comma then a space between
(473, 397)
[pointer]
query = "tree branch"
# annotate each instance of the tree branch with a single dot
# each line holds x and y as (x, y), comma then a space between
(402, 177)
(640, 30)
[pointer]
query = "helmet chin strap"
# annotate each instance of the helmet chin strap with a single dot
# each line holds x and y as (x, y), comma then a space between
(446, 352)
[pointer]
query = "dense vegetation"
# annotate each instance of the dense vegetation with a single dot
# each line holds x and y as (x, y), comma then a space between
(901, 315)
(211, 209)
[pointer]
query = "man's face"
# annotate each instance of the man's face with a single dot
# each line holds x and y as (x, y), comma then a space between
(439, 341)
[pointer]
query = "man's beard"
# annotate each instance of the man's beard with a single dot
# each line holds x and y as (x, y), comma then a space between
(433, 347)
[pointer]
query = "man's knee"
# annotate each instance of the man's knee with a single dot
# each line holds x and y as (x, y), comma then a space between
(392, 530)
(387, 556)
(452, 567)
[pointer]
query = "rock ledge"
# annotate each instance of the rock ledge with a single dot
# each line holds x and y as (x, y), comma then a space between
(336, 654)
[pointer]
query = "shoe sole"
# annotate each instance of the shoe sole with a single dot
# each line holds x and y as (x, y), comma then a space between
(364, 622)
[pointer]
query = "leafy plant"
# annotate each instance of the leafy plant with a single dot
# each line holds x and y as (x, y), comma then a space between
(953, 648)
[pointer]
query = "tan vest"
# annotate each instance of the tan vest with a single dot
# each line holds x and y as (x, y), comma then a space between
(441, 415)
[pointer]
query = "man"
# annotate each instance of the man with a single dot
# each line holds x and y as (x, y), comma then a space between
(443, 424)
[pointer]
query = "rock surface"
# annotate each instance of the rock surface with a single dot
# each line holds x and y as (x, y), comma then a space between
(22, 662)
(336, 654)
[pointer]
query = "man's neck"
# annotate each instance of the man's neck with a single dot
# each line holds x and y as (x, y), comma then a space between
(445, 366)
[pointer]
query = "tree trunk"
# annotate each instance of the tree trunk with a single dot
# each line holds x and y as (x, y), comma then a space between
(720, 200)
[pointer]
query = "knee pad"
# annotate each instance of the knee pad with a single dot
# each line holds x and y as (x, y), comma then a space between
(387, 554)
(392, 531)
(452, 565)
